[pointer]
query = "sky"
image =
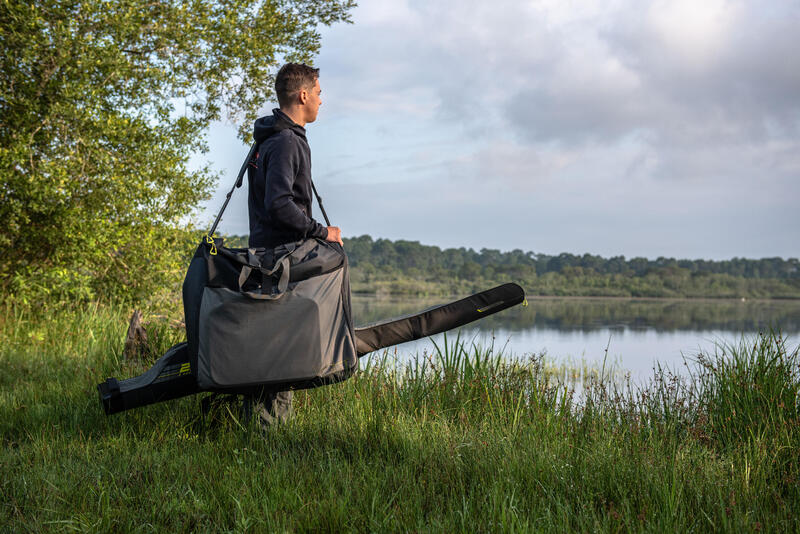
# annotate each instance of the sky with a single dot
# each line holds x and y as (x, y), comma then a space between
(616, 127)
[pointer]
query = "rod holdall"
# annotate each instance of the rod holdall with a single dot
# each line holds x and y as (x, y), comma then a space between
(172, 377)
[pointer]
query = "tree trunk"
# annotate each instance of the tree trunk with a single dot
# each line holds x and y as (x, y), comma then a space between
(136, 347)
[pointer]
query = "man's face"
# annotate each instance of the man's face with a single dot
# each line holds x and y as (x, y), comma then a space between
(313, 102)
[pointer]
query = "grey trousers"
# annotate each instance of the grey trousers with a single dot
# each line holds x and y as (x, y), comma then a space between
(270, 407)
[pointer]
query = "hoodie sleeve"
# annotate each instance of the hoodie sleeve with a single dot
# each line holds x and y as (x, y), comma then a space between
(279, 200)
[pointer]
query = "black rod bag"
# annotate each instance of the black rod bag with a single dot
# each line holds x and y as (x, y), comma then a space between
(278, 318)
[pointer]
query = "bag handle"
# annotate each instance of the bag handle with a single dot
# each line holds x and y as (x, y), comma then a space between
(283, 264)
(238, 183)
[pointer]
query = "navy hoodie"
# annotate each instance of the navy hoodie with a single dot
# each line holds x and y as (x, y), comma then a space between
(279, 178)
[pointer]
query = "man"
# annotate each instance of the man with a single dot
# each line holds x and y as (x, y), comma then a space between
(280, 191)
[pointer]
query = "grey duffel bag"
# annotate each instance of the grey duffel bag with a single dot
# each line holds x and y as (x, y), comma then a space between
(278, 318)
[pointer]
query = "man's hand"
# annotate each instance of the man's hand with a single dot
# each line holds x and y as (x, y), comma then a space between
(334, 235)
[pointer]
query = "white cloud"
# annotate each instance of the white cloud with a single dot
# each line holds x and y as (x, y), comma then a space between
(696, 32)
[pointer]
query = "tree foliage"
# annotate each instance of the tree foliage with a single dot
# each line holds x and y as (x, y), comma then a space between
(404, 255)
(101, 105)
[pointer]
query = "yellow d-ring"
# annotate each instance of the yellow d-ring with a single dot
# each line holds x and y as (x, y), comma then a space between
(210, 241)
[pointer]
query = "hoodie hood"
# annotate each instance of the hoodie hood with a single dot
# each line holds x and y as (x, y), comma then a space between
(272, 124)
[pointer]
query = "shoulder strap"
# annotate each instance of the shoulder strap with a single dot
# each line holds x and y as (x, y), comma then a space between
(319, 201)
(238, 183)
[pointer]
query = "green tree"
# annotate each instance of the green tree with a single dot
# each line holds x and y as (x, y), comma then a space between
(101, 105)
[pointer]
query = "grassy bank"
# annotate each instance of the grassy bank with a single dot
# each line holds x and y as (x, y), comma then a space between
(462, 441)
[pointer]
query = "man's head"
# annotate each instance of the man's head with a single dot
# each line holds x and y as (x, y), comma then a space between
(298, 90)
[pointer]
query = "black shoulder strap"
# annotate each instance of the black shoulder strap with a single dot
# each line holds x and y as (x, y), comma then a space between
(238, 183)
(319, 201)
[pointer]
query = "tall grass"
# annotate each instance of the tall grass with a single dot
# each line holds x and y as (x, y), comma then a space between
(463, 439)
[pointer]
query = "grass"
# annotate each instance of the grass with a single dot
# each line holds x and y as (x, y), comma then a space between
(460, 440)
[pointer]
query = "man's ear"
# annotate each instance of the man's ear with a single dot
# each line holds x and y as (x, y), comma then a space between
(303, 96)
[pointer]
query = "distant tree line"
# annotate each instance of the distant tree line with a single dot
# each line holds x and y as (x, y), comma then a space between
(408, 256)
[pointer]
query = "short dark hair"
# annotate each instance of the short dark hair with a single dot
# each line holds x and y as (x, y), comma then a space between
(291, 79)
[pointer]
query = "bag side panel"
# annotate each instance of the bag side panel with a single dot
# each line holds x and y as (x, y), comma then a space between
(315, 257)
(337, 344)
(244, 341)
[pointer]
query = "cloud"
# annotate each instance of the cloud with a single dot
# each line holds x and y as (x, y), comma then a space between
(660, 126)
(576, 72)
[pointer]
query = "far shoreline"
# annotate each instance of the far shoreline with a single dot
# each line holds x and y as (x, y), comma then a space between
(409, 296)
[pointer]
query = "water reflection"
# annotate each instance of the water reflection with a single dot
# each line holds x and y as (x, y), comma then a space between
(589, 314)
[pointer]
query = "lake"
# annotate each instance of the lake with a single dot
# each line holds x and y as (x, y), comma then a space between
(638, 332)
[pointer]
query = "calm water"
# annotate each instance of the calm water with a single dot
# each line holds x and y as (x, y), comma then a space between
(637, 332)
